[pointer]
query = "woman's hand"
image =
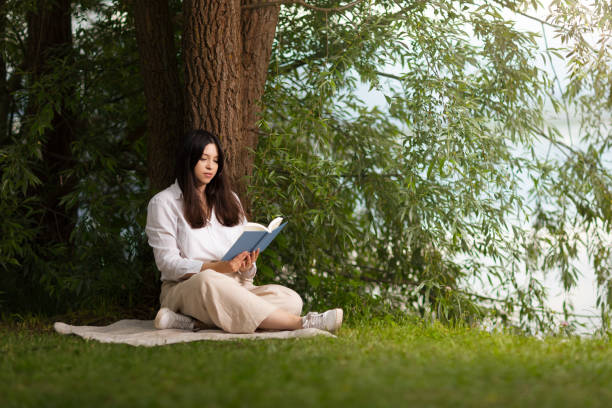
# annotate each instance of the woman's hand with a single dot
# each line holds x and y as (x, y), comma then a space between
(249, 260)
(235, 264)
(241, 263)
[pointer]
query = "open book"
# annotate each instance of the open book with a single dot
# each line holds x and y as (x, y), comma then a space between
(255, 236)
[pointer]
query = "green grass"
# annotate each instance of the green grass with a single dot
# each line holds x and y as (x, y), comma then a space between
(378, 365)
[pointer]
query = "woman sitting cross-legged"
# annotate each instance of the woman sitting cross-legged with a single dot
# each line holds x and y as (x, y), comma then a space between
(190, 226)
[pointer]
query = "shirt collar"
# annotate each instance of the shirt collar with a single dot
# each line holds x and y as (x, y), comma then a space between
(176, 190)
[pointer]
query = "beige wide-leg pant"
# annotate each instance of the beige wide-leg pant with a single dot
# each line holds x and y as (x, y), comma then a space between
(228, 302)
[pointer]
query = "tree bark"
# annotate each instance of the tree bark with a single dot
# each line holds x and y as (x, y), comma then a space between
(227, 52)
(50, 37)
(164, 99)
(213, 71)
(258, 27)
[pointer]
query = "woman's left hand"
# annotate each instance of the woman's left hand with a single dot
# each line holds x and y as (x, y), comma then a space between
(249, 260)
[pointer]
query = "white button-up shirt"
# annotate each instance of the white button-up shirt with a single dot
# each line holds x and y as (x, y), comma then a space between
(180, 249)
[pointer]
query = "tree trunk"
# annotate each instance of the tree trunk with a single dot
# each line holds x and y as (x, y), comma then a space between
(227, 54)
(164, 99)
(258, 27)
(49, 37)
(212, 52)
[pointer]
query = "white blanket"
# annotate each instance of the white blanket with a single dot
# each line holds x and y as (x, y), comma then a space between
(143, 333)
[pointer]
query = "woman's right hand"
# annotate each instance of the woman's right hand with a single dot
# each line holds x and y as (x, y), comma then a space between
(235, 264)
(226, 266)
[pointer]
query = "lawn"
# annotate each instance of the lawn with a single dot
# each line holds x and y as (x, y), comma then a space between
(373, 365)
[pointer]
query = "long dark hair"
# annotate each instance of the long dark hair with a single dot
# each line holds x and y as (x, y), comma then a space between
(217, 195)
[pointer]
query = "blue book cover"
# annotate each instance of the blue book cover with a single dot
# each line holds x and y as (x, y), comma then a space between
(255, 236)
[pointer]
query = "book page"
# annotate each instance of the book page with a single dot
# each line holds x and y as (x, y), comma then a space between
(253, 226)
(275, 223)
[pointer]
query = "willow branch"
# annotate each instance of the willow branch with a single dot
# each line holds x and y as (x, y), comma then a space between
(558, 27)
(539, 20)
(303, 4)
(387, 75)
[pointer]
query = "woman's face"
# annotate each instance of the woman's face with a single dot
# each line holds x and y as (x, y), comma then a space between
(206, 168)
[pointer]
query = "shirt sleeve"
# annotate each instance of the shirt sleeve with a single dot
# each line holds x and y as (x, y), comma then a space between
(250, 274)
(161, 231)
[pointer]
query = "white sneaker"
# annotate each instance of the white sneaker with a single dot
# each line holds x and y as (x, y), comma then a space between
(167, 319)
(329, 321)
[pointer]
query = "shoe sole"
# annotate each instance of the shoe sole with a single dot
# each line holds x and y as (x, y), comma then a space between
(159, 317)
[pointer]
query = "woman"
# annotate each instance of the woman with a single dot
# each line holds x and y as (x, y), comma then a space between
(190, 226)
